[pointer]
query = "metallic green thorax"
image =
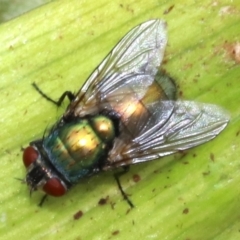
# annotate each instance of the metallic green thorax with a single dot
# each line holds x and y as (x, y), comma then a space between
(76, 149)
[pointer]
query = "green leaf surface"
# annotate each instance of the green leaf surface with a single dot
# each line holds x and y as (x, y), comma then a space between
(193, 195)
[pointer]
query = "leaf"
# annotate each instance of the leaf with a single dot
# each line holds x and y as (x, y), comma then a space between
(192, 195)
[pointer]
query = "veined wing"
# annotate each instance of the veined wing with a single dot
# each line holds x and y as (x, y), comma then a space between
(128, 70)
(172, 126)
(151, 124)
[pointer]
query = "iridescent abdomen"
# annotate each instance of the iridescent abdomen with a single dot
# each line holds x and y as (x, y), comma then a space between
(77, 149)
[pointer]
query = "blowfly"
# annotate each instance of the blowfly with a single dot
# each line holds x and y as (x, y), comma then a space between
(125, 113)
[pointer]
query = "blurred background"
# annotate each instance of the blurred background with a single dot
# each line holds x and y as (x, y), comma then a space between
(12, 8)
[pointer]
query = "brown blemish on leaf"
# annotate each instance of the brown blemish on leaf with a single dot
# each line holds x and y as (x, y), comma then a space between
(103, 201)
(212, 157)
(136, 178)
(185, 211)
(78, 215)
(112, 205)
(127, 7)
(128, 211)
(115, 232)
(168, 10)
(187, 66)
(227, 10)
(206, 173)
(233, 51)
(182, 152)
(180, 93)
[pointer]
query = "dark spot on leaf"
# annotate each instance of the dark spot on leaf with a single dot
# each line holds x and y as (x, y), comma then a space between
(136, 178)
(233, 51)
(103, 201)
(168, 10)
(206, 173)
(77, 215)
(212, 157)
(183, 153)
(112, 205)
(128, 211)
(115, 232)
(185, 211)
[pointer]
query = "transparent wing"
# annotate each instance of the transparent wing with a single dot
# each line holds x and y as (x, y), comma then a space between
(128, 70)
(171, 126)
(127, 83)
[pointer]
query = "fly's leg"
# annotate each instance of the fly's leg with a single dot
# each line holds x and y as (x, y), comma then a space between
(67, 94)
(42, 200)
(117, 176)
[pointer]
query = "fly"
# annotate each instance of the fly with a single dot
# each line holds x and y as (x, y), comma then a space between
(125, 113)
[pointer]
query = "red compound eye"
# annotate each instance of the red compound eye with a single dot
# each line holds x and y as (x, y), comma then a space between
(30, 155)
(54, 187)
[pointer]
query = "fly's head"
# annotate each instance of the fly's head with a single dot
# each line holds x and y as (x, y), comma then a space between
(39, 176)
